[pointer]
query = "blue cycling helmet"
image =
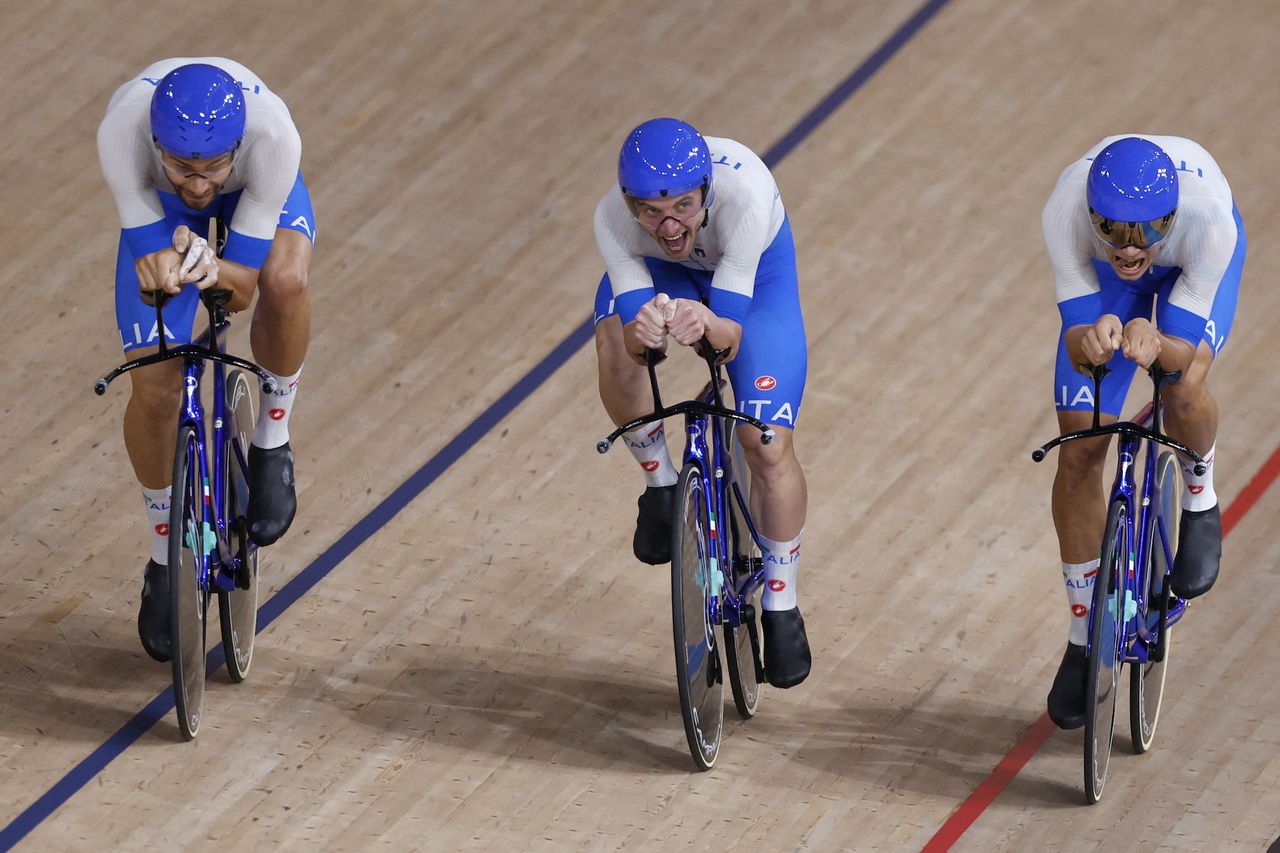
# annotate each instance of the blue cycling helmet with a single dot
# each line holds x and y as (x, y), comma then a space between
(1132, 180)
(664, 157)
(197, 112)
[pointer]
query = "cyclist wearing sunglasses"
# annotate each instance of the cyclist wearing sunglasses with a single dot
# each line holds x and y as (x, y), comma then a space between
(696, 243)
(1147, 249)
(184, 141)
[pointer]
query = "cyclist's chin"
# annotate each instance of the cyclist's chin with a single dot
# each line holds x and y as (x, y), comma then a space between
(198, 202)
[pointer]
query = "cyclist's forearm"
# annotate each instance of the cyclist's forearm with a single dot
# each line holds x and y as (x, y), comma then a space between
(1175, 353)
(724, 333)
(242, 281)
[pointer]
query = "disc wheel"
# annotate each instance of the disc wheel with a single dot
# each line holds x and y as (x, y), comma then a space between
(1106, 622)
(695, 580)
(742, 643)
(238, 608)
(189, 538)
(1146, 681)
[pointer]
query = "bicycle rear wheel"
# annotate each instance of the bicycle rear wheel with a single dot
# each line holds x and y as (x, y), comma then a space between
(1105, 660)
(1146, 682)
(238, 608)
(695, 579)
(742, 643)
(188, 581)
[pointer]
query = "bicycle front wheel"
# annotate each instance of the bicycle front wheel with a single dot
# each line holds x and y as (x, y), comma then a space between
(1105, 659)
(742, 643)
(189, 536)
(238, 608)
(695, 581)
(1146, 682)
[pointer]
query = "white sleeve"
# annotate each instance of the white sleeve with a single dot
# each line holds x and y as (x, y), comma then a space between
(1067, 236)
(125, 152)
(613, 224)
(270, 164)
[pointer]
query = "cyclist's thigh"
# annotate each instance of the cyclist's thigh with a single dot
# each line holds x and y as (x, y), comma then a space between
(136, 320)
(672, 279)
(771, 367)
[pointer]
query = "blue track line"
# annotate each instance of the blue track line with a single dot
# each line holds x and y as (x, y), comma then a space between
(319, 568)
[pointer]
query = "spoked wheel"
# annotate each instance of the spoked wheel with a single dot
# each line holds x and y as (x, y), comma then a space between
(238, 609)
(695, 580)
(189, 539)
(742, 644)
(1146, 682)
(1105, 660)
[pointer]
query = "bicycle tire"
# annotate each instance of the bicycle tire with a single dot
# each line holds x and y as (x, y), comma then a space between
(188, 583)
(742, 643)
(1105, 659)
(694, 581)
(1146, 681)
(238, 608)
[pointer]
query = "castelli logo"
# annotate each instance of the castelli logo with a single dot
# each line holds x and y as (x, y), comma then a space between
(162, 529)
(766, 383)
(650, 466)
(777, 585)
(1195, 490)
(1079, 610)
(276, 414)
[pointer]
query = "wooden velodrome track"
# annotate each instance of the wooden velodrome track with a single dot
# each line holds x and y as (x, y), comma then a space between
(488, 667)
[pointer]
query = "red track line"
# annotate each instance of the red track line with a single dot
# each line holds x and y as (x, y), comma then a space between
(1013, 762)
(1250, 493)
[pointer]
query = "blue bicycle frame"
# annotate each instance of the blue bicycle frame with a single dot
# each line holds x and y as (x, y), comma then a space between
(215, 505)
(720, 484)
(1140, 637)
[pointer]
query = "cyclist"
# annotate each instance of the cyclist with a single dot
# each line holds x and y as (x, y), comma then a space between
(1138, 222)
(183, 141)
(696, 243)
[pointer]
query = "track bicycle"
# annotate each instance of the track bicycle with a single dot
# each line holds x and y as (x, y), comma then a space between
(717, 571)
(1133, 608)
(210, 552)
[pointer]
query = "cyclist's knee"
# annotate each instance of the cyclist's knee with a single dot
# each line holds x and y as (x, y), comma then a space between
(1082, 460)
(155, 389)
(1182, 400)
(768, 460)
(283, 284)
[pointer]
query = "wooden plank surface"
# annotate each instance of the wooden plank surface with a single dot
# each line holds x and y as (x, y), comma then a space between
(491, 669)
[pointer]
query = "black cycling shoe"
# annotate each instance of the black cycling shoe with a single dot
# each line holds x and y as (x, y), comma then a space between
(1066, 697)
(652, 542)
(786, 647)
(272, 500)
(1195, 566)
(153, 616)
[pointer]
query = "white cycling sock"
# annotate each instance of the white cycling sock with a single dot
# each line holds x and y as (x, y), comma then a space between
(780, 562)
(648, 444)
(272, 428)
(1079, 578)
(158, 520)
(1198, 493)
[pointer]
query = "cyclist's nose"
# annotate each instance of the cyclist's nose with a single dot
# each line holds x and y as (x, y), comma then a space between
(670, 227)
